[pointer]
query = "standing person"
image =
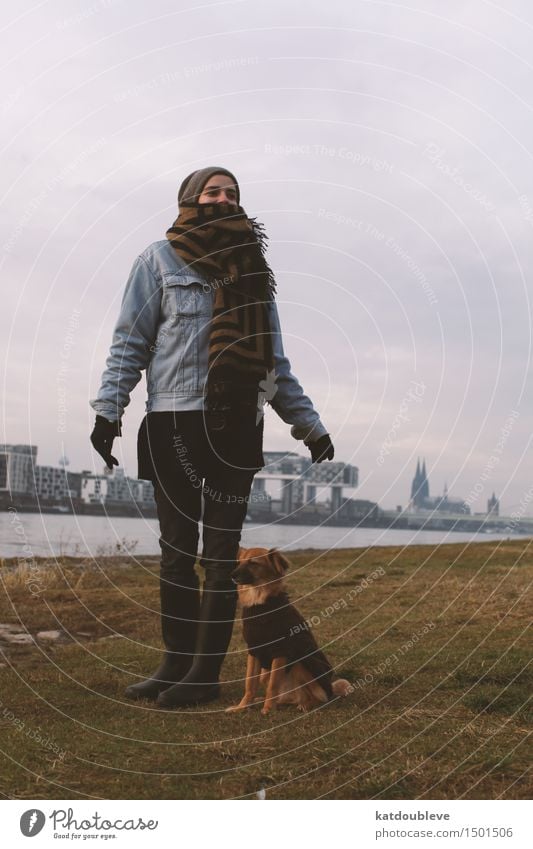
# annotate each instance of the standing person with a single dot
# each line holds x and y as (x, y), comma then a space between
(199, 314)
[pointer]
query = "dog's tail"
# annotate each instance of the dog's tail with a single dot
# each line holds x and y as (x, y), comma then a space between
(341, 687)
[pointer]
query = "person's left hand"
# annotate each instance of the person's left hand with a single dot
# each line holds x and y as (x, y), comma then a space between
(102, 439)
(321, 449)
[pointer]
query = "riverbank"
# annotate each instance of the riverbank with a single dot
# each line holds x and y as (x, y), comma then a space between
(370, 516)
(432, 637)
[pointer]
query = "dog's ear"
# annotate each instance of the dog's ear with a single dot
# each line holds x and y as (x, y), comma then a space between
(281, 564)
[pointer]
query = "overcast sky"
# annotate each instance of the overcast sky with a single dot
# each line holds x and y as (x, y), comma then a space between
(388, 151)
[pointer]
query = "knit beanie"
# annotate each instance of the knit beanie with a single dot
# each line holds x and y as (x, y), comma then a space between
(192, 186)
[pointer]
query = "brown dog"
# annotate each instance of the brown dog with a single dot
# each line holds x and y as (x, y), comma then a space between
(282, 652)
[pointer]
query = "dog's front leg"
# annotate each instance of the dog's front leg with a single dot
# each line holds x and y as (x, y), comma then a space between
(277, 672)
(253, 674)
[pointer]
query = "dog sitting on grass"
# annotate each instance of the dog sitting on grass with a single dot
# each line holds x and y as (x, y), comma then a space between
(283, 655)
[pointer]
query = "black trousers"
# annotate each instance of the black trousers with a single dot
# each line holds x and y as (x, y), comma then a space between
(195, 469)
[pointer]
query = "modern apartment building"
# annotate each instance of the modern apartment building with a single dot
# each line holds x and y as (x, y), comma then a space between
(16, 469)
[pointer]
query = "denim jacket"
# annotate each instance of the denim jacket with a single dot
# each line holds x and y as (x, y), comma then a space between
(163, 328)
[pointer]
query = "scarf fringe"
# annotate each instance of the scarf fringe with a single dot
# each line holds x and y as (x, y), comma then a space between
(262, 240)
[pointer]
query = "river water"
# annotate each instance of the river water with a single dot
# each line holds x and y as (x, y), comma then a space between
(38, 535)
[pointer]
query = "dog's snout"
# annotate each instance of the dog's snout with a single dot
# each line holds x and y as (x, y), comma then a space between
(241, 575)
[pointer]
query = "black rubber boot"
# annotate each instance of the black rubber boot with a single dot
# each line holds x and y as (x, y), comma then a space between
(179, 624)
(215, 626)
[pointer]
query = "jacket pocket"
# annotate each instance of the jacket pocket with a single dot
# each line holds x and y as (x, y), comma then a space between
(188, 294)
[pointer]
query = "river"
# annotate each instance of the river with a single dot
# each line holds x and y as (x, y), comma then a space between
(43, 535)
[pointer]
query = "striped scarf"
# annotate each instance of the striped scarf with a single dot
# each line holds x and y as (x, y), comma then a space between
(228, 249)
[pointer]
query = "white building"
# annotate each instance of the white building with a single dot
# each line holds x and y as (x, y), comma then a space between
(115, 487)
(16, 468)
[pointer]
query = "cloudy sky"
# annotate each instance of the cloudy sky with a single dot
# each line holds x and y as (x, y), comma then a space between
(388, 150)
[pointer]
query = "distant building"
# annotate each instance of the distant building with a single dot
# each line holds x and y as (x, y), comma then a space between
(123, 489)
(288, 462)
(120, 487)
(74, 484)
(358, 509)
(51, 483)
(146, 492)
(493, 506)
(299, 479)
(421, 501)
(16, 468)
(115, 488)
(419, 486)
(93, 488)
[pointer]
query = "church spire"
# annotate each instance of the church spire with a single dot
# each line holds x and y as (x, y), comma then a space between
(419, 485)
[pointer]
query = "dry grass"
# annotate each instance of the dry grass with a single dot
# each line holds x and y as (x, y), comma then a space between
(436, 644)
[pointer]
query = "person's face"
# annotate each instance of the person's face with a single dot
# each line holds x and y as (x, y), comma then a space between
(219, 189)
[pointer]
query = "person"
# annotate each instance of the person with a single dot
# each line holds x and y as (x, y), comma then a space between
(199, 315)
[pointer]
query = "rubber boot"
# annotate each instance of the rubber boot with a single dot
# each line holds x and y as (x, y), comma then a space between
(179, 623)
(215, 626)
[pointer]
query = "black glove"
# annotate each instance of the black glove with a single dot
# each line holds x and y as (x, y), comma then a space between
(102, 439)
(322, 449)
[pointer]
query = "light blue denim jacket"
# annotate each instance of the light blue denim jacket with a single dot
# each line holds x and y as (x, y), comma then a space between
(163, 327)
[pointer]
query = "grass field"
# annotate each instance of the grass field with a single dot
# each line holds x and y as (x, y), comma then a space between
(435, 640)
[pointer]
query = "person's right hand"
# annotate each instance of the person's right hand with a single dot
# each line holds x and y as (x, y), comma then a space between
(321, 449)
(102, 439)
